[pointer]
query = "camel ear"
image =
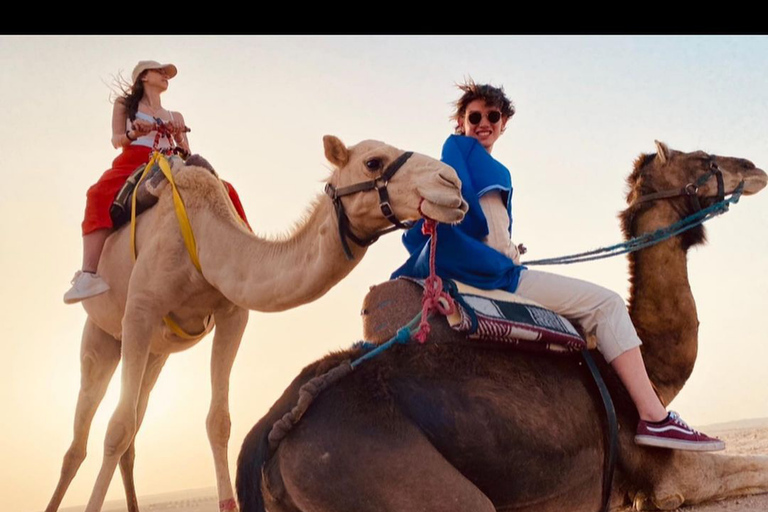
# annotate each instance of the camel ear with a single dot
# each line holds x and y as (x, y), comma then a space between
(663, 152)
(335, 151)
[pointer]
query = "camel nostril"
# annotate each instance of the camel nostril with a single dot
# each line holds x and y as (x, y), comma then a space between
(450, 180)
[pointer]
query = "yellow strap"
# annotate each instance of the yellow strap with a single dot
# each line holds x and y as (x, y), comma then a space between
(178, 205)
(186, 233)
(181, 214)
(181, 333)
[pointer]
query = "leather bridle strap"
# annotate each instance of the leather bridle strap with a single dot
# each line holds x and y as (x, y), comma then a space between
(691, 189)
(380, 185)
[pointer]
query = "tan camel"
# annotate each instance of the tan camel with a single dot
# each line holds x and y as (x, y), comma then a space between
(240, 272)
(452, 425)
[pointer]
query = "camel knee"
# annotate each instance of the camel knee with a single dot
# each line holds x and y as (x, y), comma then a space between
(74, 457)
(218, 426)
(643, 501)
(119, 437)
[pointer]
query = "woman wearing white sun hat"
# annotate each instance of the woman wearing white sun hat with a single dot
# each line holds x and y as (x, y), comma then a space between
(135, 115)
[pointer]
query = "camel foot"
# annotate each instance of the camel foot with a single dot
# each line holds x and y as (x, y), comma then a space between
(642, 501)
(229, 505)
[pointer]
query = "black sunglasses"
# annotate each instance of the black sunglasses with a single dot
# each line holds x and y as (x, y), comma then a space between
(494, 116)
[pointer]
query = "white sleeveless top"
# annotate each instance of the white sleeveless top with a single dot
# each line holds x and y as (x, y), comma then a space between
(148, 140)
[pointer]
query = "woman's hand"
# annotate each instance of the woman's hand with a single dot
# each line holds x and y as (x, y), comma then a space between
(141, 127)
(180, 131)
(176, 126)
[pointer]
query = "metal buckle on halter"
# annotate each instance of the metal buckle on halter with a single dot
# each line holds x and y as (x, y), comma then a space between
(384, 205)
(386, 209)
(691, 189)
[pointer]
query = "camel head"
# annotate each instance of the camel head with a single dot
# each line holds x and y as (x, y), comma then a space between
(686, 181)
(421, 184)
(669, 169)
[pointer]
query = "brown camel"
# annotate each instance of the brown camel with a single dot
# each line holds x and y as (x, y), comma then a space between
(453, 425)
(240, 272)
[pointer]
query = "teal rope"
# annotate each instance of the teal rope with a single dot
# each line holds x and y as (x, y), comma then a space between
(648, 239)
(402, 337)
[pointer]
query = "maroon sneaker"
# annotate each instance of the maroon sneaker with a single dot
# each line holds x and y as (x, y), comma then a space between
(674, 433)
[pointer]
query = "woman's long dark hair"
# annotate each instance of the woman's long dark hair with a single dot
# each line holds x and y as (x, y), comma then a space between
(130, 94)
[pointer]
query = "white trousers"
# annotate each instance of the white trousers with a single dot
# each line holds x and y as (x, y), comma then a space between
(598, 310)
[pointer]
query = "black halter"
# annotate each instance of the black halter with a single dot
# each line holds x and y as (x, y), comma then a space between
(379, 184)
(691, 189)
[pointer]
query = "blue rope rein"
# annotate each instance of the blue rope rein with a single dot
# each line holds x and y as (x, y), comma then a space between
(403, 336)
(648, 239)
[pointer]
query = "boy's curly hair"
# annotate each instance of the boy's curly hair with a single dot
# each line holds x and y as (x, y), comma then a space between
(493, 96)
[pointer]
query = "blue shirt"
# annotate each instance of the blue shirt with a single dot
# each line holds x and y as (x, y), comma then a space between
(461, 253)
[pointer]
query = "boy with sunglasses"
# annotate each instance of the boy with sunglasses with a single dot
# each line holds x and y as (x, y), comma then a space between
(479, 252)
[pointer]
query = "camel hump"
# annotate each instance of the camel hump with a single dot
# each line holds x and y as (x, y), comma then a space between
(199, 161)
(481, 315)
(388, 306)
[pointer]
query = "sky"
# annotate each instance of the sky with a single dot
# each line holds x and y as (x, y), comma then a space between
(258, 107)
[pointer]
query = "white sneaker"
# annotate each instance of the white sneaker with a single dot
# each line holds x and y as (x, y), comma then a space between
(85, 285)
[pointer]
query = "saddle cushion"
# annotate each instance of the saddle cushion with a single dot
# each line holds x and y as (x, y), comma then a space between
(500, 316)
(120, 209)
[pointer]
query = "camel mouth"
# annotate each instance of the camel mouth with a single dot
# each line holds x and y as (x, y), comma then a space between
(755, 180)
(448, 214)
(446, 200)
(445, 191)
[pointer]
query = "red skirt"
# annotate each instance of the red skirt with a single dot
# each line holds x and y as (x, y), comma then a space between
(100, 196)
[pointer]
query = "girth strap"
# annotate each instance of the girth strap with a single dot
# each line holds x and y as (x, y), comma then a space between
(181, 333)
(611, 436)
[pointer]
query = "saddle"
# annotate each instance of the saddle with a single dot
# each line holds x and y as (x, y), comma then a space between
(481, 315)
(147, 192)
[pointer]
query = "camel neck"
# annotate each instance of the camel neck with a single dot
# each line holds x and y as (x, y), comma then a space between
(275, 275)
(662, 305)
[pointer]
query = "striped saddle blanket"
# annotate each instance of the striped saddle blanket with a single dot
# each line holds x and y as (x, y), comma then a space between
(500, 316)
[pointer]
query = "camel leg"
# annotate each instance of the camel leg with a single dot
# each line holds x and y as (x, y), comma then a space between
(126, 471)
(692, 478)
(230, 326)
(137, 332)
(398, 470)
(154, 366)
(99, 355)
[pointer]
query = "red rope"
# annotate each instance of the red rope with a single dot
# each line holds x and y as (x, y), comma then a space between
(433, 286)
(162, 130)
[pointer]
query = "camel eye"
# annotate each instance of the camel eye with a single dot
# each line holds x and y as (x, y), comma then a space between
(374, 164)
